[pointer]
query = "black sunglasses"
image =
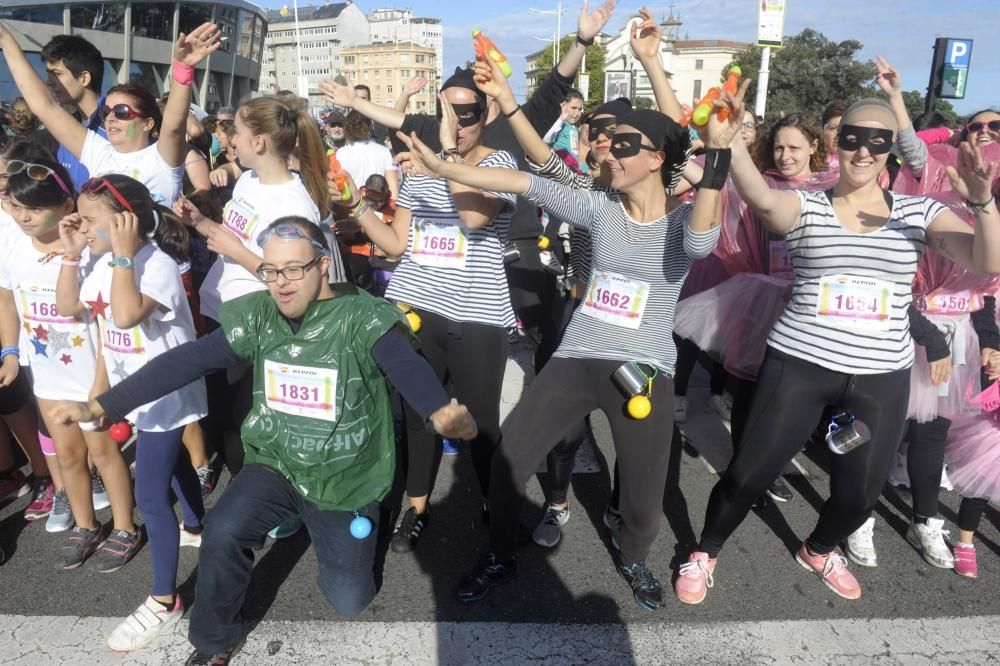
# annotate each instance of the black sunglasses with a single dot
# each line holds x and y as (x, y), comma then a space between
(974, 127)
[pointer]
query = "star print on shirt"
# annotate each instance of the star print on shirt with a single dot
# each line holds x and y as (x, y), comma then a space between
(39, 347)
(41, 332)
(27, 327)
(58, 340)
(66, 359)
(78, 341)
(99, 306)
(119, 369)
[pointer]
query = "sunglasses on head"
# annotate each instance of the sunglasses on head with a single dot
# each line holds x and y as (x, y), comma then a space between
(36, 172)
(288, 231)
(120, 111)
(978, 125)
(98, 185)
(628, 144)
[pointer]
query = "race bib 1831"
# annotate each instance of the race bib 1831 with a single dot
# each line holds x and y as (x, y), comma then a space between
(301, 390)
(616, 299)
(855, 302)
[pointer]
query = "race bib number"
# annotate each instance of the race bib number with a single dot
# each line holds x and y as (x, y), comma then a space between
(961, 302)
(616, 299)
(439, 244)
(241, 219)
(38, 304)
(779, 263)
(123, 341)
(855, 302)
(301, 390)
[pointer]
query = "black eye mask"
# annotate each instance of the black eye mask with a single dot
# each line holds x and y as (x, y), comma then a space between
(605, 126)
(852, 137)
(468, 114)
(627, 144)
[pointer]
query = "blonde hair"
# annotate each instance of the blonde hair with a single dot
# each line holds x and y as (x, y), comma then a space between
(21, 118)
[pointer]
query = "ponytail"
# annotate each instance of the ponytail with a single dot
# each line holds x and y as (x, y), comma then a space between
(171, 235)
(312, 161)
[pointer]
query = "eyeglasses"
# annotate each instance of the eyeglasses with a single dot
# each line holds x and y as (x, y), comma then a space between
(978, 125)
(98, 185)
(120, 111)
(288, 231)
(749, 126)
(36, 172)
(290, 273)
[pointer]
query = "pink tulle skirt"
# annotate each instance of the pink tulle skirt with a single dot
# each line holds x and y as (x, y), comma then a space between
(973, 456)
(927, 401)
(732, 320)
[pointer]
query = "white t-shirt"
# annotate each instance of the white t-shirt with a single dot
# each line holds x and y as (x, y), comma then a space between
(146, 166)
(62, 351)
(364, 158)
(252, 209)
(127, 350)
(9, 231)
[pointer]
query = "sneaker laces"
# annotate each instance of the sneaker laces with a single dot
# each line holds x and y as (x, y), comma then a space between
(836, 564)
(865, 532)
(642, 577)
(552, 516)
(936, 536)
(96, 483)
(40, 488)
(697, 569)
(60, 502)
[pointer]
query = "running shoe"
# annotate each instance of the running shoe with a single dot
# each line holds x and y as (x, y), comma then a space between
(680, 409)
(61, 516)
(206, 479)
(898, 475)
(965, 560)
(80, 544)
(695, 577)
(217, 659)
(145, 624)
(860, 546)
(13, 485)
(98, 491)
(928, 539)
(407, 533)
(722, 405)
(779, 491)
(832, 568)
(945, 481)
(42, 493)
(646, 588)
(613, 521)
(190, 539)
(549, 530)
(287, 528)
(116, 551)
(491, 572)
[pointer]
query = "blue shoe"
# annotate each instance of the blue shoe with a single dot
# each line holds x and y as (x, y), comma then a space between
(449, 447)
(287, 528)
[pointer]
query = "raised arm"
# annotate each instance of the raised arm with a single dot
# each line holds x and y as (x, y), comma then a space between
(68, 302)
(645, 41)
(491, 81)
(343, 95)
(410, 88)
(189, 51)
(62, 126)
(910, 148)
(588, 26)
(129, 306)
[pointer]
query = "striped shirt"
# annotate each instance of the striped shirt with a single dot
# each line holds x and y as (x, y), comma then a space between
(447, 269)
(581, 252)
(638, 270)
(848, 309)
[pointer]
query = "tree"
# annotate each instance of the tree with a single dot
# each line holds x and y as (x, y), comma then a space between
(642, 103)
(915, 105)
(594, 61)
(808, 73)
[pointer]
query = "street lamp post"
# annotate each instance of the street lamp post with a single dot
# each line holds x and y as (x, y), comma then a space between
(557, 12)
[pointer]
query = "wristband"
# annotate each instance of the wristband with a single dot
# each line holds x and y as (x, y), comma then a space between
(183, 74)
(584, 42)
(70, 262)
(513, 113)
(716, 168)
(13, 350)
(972, 205)
(360, 210)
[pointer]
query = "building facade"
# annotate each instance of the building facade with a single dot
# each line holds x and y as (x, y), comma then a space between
(533, 75)
(399, 25)
(312, 49)
(137, 37)
(385, 68)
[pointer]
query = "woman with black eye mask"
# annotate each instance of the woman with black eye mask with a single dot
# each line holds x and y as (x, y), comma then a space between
(843, 340)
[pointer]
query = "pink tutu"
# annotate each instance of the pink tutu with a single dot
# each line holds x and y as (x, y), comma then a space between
(731, 321)
(926, 401)
(973, 456)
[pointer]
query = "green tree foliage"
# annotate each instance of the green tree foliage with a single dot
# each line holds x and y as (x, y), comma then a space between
(809, 72)
(595, 68)
(643, 103)
(915, 104)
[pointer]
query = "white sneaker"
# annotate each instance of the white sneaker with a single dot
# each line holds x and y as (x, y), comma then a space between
(98, 491)
(144, 625)
(549, 530)
(898, 476)
(945, 481)
(929, 541)
(188, 539)
(680, 409)
(61, 518)
(860, 546)
(722, 405)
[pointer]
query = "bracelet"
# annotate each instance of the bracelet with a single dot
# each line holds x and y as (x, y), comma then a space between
(359, 210)
(716, 168)
(183, 74)
(13, 350)
(72, 257)
(584, 42)
(972, 205)
(70, 262)
(512, 113)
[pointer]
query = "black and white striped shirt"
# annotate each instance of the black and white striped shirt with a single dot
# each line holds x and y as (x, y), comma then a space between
(847, 311)
(447, 269)
(640, 265)
(580, 244)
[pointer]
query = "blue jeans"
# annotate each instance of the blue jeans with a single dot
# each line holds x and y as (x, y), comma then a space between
(257, 500)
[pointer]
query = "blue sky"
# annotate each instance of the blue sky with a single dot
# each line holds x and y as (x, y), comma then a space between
(901, 30)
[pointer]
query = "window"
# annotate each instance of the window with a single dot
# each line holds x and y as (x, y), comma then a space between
(193, 14)
(377, 72)
(246, 34)
(404, 58)
(48, 14)
(108, 17)
(697, 90)
(366, 76)
(144, 75)
(364, 60)
(699, 64)
(420, 57)
(388, 90)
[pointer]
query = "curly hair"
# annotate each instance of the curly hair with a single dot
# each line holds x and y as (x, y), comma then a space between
(763, 153)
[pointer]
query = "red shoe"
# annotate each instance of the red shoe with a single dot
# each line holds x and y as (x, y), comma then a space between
(832, 568)
(42, 494)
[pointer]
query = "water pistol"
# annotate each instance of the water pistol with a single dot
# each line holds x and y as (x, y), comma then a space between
(338, 175)
(731, 86)
(485, 47)
(703, 109)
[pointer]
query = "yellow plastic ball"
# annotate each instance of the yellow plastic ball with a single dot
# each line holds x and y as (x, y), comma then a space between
(414, 320)
(639, 407)
(543, 242)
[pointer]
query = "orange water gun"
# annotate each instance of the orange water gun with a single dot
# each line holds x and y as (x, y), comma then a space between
(338, 175)
(731, 85)
(703, 109)
(485, 47)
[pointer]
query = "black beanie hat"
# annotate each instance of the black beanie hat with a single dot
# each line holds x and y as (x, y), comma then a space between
(666, 135)
(617, 107)
(462, 78)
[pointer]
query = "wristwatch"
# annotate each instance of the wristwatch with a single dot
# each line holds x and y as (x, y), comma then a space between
(122, 262)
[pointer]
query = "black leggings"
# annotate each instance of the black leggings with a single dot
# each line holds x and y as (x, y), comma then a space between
(924, 461)
(566, 391)
(788, 402)
(473, 358)
(970, 512)
(687, 356)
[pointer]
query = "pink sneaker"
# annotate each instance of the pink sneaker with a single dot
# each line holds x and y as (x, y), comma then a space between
(832, 568)
(965, 560)
(42, 495)
(695, 577)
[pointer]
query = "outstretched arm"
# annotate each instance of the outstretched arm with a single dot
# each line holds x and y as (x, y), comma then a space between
(189, 51)
(342, 94)
(645, 40)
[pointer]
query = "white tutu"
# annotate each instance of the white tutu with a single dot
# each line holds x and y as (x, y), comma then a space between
(973, 456)
(927, 401)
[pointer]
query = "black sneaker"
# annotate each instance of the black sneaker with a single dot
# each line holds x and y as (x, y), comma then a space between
(80, 544)
(116, 551)
(646, 588)
(779, 491)
(218, 659)
(492, 572)
(407, 534)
